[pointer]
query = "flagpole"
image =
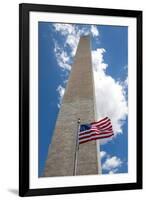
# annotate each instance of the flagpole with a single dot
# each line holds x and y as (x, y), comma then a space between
(76, 148)
(98, 157)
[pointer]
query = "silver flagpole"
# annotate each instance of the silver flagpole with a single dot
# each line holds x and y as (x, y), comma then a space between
(76, 148)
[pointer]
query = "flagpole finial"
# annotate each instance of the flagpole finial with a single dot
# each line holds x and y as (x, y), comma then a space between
(79, 120)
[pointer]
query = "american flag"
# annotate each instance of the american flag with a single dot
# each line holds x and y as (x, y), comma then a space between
(95, 130)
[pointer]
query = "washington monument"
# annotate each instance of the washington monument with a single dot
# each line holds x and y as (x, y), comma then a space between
(78, 102)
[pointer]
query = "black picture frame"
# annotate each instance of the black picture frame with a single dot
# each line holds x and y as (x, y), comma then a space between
(24, 187)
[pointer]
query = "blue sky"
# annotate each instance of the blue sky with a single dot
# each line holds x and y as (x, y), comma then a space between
(57, 47)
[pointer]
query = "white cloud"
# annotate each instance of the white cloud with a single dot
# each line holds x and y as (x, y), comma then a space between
(61, 91)
(113, 171)
(110, 94)
(72, 41)
(102, 154)
(98, 61)
(94, 30)
(126, 82)
(71, 34)
(64, 29)
(62, 57)
(112, 163)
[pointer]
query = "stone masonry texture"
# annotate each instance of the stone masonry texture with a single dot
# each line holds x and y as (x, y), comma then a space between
(78, 102)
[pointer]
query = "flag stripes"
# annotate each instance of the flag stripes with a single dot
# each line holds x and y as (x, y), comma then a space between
(96, 130)
(94, 138)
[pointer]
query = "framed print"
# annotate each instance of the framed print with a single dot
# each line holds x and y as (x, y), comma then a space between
(80, 99)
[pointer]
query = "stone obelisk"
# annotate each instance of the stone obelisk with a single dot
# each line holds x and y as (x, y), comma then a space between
(78, 102)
